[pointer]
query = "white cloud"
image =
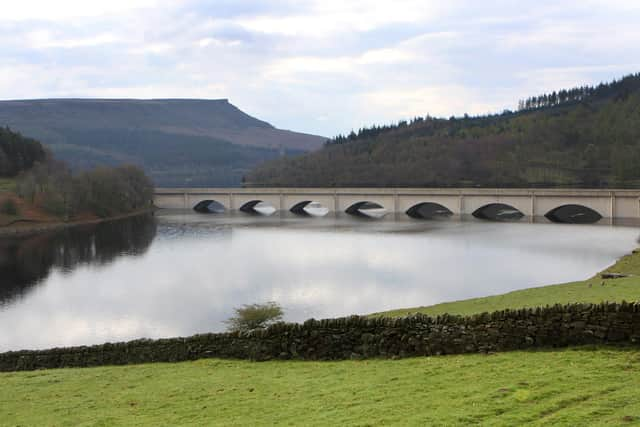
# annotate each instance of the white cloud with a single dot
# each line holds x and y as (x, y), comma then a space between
(43, 39)
(350, 63)
(290, 67)
(386, 56)
(152, 48)
(325, 18)
(47, 10)
(436, 101)
(209, 41)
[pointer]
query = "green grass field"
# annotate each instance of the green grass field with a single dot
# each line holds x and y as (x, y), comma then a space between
(594, 290)
(570, 387)
(7, 184)
(578, 386)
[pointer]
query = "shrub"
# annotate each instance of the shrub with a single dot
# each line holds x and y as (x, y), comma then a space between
(254, 316)
(9, 207)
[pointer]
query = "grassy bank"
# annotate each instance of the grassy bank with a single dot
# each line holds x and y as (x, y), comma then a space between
(593, 290)
(572, 387)
(7, 185)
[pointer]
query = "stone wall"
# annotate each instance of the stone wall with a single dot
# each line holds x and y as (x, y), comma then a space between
(361, 337)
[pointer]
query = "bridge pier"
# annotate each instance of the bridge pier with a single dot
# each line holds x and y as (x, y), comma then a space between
(533, 205)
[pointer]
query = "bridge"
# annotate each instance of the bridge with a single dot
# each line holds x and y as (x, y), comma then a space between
(418, 202)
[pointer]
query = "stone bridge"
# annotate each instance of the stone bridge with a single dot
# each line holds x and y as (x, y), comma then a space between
(609, 203)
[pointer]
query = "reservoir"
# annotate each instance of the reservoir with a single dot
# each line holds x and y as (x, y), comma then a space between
(178, 273)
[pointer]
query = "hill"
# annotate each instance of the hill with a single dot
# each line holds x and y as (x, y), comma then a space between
(177, 141)
(583, 137)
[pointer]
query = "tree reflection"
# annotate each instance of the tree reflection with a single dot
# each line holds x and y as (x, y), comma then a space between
(25, 262)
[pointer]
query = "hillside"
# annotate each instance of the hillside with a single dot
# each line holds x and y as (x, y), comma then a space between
(582, 137)
(176, 141)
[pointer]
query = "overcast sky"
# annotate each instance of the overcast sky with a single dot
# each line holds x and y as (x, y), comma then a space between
(323, 66)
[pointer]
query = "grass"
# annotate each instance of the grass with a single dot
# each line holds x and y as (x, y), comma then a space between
(584, 386)
(593, 290)
(7, 185)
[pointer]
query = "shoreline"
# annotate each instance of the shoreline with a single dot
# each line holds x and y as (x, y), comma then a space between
(494, 306)
(618, 282)
(27, 228)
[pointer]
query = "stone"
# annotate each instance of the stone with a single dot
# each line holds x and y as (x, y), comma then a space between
(613, 275)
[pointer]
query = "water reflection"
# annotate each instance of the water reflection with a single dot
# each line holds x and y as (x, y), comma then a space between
(26, 261)
(201, 266)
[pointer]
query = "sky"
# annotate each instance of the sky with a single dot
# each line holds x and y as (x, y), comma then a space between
(317, 66)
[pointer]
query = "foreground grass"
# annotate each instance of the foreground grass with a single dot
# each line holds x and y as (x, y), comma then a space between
(593, 290)
(571, 387)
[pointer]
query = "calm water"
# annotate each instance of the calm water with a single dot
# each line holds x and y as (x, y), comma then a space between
(183, 273)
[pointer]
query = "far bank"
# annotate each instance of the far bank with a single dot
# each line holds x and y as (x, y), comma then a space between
(27, 227)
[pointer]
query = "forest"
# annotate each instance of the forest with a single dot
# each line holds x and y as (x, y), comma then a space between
(169, 160)
(580, 137)
(49, 184)
(18, 153)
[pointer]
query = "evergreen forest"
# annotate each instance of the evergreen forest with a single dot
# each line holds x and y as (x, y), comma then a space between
(581, 137)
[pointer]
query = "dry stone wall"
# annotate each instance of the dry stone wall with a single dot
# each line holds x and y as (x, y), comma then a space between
(360, 337)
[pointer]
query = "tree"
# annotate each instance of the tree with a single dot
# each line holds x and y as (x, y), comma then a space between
(9, 207)
(18, 153)
(250, 317)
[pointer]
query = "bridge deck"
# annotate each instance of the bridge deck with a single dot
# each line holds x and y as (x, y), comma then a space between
(609, 203)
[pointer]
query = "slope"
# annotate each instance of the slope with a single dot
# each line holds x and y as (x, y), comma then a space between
(582, 137)
(177, 141)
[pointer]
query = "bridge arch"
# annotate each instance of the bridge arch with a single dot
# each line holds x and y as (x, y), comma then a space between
(309, 208)
(209, 206)
(573, 214)
(366, 209)
(428, 210)
(298, 208)
(498, 212)
(258, 207)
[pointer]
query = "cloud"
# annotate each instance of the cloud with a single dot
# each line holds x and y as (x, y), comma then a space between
(44, 10)
(317, 66)
(327, 18)
(435, 100)
(208, 41)
(43, 39)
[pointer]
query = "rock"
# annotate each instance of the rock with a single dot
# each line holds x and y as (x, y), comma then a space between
(613, 275)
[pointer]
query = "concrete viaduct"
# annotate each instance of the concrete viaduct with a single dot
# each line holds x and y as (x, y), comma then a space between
(611, 204)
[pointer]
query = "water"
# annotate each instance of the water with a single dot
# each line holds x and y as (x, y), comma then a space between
(181, 273)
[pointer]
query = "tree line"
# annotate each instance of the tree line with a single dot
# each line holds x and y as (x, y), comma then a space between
(18, 153)
(591, 143)
(50, 184)
(621, 87)
(103, 191)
